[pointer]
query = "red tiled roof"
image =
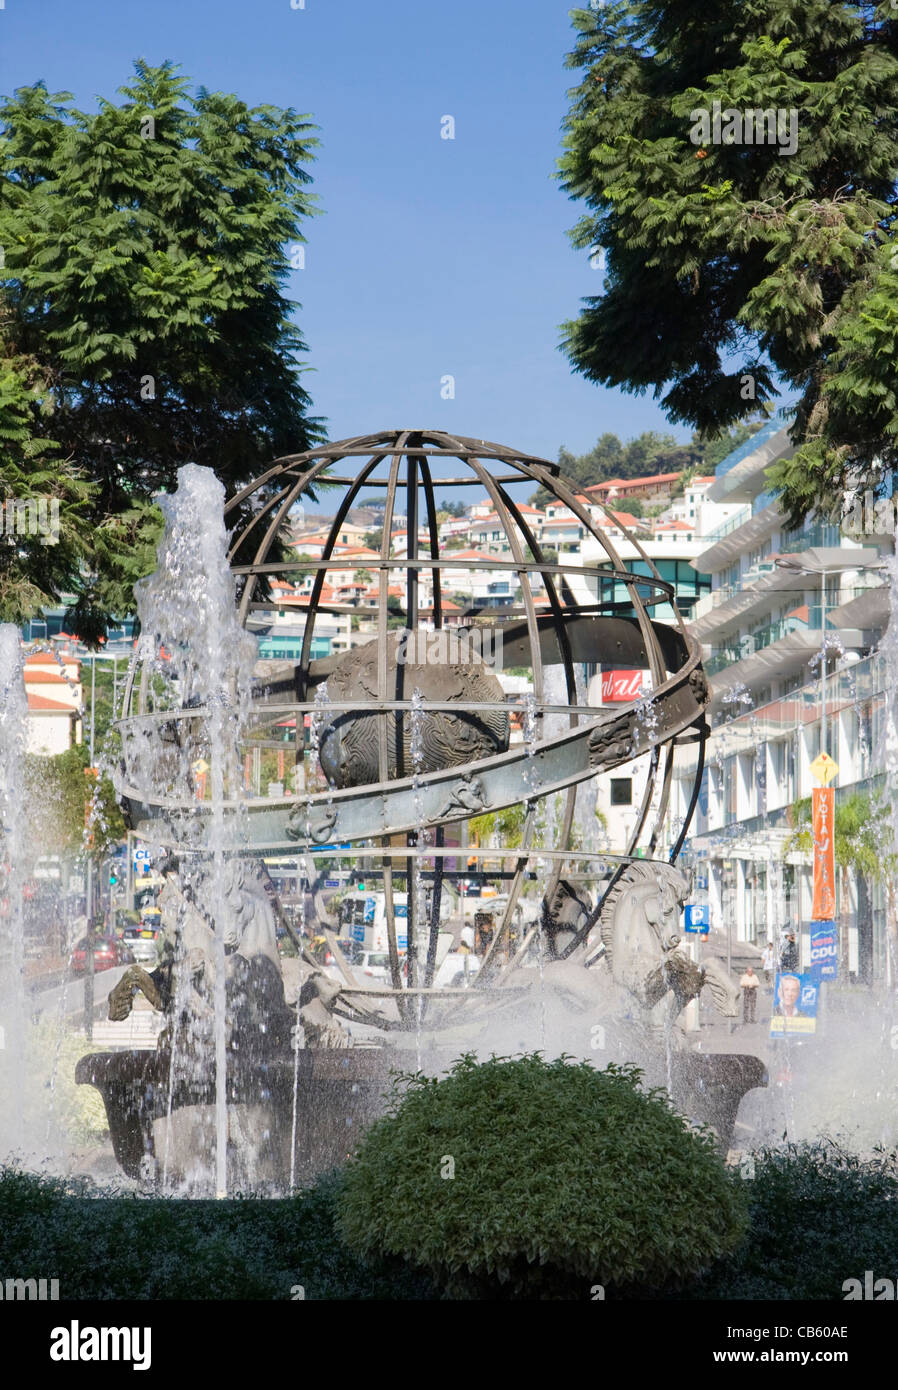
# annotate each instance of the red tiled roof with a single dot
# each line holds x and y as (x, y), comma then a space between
(621, 483)
(40, 677)
(303, 600)
(40, 703)
(49, 659)
(621, 519)
(471, 555)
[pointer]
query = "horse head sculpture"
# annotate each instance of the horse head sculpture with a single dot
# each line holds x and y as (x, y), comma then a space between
(640, 929)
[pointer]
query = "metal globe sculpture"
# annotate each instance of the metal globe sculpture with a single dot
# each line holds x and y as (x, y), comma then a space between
(411, 730)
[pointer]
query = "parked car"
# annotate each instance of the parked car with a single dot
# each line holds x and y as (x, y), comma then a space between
(143, 942)
(374, 966)
(108, 952)
(457, 970)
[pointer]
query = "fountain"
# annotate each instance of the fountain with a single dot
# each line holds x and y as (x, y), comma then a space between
(250, 1089)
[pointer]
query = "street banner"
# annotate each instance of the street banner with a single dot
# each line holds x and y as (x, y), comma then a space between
(823, 805)
(824, 950)
(794, 1005)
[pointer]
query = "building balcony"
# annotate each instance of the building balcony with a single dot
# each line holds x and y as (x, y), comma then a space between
(776, 652)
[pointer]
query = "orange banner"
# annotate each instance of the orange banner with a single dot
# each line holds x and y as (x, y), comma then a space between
(823, 806)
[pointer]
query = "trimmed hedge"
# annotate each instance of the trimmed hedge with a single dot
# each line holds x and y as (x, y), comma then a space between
(130, 1247)
(531, 1178)
(818, 1217)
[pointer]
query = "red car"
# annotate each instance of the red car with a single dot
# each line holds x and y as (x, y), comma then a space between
(108, 952)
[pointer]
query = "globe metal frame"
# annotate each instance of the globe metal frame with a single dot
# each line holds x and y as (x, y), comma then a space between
(596, 738)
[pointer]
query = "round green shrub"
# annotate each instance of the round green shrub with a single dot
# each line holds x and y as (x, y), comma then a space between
(521, 1176)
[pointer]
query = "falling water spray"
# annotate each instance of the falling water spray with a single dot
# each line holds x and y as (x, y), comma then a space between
(13, 715)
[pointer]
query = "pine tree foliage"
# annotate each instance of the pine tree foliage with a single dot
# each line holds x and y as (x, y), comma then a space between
(144, 323)
(728, 261)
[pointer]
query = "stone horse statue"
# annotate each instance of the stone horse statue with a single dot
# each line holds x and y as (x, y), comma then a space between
(639, 926)
(183, 984)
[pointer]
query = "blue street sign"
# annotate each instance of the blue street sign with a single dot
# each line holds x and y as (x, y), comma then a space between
(332, 883)
(824, 950)
(698, 917)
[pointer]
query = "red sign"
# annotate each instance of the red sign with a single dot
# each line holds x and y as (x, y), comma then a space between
(823, 806)
(621, 686)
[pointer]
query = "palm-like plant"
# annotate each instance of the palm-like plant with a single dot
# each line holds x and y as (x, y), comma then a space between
(865, 848)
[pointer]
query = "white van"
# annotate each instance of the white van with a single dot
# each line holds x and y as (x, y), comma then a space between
(363, 918)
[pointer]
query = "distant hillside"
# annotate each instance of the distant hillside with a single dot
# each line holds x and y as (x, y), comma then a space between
(646, 454)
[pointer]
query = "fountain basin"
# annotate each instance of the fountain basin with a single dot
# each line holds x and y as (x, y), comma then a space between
(339, 1092)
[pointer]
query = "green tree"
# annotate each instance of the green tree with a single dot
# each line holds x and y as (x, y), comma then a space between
(144, 323)
(61, 792)
(44, 534)
(735, 269)
(504, 828)
(397, 616)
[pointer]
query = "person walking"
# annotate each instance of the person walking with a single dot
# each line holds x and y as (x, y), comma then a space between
(749, 986)
(768, 961)
(789, 957)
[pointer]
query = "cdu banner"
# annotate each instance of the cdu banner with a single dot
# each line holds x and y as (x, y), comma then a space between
(824, 950)
(823, 805)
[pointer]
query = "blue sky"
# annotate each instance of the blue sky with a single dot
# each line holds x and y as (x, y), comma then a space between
(432, 256)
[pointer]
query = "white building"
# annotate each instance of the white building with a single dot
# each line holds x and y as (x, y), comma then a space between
(762, 620)
(55, 697)
(765, 627)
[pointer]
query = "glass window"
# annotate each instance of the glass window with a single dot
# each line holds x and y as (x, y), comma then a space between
(621, 791)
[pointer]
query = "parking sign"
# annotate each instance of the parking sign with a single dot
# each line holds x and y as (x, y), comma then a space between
(698, 918)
